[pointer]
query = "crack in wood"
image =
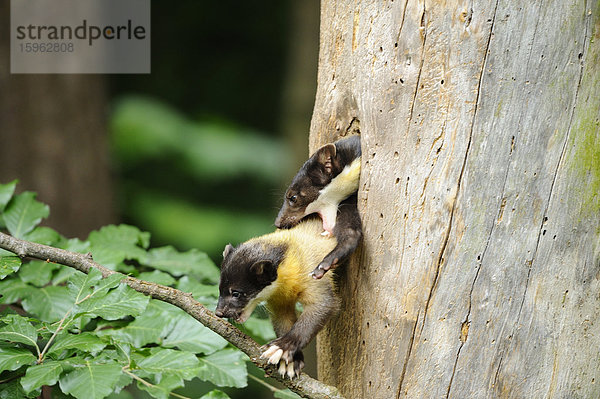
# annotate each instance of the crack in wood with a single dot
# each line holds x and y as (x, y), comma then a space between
(467, 319)
(404, 366)
(414, 100)
(401, 24)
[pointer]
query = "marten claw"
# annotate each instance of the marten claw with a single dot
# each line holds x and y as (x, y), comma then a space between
(272, 354)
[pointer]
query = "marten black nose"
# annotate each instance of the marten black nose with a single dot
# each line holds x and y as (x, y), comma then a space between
(219, 313)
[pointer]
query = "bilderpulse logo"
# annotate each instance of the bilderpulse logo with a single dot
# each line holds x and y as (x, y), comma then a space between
(80, 36)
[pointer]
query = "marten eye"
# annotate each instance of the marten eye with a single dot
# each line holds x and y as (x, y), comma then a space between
(235, 294)
(293, 199)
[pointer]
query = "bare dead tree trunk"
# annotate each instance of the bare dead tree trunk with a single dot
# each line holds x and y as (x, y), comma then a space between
(53, 138)
(480, 197)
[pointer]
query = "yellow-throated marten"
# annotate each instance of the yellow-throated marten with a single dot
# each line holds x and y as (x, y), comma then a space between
(275, 268)
(326, 184)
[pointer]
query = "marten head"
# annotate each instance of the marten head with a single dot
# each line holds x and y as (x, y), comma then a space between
(312, 177)
(246, 272)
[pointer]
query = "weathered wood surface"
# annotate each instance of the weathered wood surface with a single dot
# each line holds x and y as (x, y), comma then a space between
(479, 276)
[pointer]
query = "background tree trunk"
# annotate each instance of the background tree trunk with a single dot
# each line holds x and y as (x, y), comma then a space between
(480, 269)
(53, 139)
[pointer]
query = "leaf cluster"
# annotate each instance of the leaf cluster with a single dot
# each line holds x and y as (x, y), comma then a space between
(90, 337)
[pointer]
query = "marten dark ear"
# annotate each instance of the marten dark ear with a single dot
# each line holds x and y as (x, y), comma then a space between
(264, 270)
(227, 250)
(325, 157)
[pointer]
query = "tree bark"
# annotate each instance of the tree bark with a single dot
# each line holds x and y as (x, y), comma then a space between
(479, 272)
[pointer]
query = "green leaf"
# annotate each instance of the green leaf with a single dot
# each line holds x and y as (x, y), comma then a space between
(37, 272)
(286, 394)
(18, 329)
(43, 235)
(63, 274)
(162, 386)
(143, 330)
(192, 262)
(189, 335)
(23, 213)
(92, 381)
(203, 293)
(157, 277)
(13, 289)
(120, 302)
(168, 361)
(85, 342)
(9, 265)
(13, 390)
(48, 303)
(14, 358)
(260, 328)
(215, 394)
(6, 193)
(74, 245)
(80, 284)
(41, 374)
(112, 244)
(225, 368)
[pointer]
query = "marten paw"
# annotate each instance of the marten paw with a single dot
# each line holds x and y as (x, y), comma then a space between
(289, 359)
(323, 267)
(292, 369)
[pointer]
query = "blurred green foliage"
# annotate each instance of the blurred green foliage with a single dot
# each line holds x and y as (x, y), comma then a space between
(195, 184)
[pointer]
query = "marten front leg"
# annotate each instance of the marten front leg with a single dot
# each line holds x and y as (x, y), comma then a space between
(286, 350)
(348, 233)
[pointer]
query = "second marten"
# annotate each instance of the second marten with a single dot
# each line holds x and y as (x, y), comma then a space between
(275, 268)
(326, 184)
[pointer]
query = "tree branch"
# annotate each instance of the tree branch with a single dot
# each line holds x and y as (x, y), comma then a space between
(304, 385)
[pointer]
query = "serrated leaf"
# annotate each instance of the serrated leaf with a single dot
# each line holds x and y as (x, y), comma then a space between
(168, 361)
(157, 277)
(120, 302)
(224, 368)
(80, 284)
(189, 335)
(9, 265)
(14, 289)
(286, 394)
(215, 394)
(18, 329)
(37, 272)
(6, 193)
(112, 244)
(41, 374)
(49, 303)
(85, 342)
(143, 330)
(14, 358)
(92, 381)
(23, 213)
(85, 286)
(43, 235)
(193, 262)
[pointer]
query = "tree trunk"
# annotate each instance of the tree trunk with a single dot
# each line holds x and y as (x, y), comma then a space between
(480, 268)
(53, 139)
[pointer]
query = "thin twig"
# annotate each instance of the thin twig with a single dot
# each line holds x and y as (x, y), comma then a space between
(304, 385)
(149, 385)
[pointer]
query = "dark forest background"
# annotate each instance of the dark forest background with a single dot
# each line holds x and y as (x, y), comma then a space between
(198, 152)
